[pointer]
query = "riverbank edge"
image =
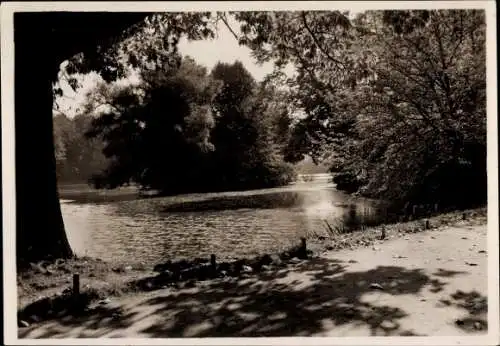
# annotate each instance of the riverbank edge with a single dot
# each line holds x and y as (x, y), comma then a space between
(45, 283)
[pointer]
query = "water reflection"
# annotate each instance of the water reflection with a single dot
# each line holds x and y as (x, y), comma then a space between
(230, 224)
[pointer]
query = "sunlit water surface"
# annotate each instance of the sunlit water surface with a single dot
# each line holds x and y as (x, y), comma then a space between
(120, 226)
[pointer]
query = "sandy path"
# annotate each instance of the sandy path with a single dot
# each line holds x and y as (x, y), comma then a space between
(427, 278)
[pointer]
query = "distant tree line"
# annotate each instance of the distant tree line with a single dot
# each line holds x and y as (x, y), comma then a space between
(77, 157)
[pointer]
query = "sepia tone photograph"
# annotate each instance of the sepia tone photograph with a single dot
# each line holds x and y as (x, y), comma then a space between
(236, 171)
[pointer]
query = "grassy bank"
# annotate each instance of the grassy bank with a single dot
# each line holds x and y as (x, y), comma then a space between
(51, 282)
(371, 235)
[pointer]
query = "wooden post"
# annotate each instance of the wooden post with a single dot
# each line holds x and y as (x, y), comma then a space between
(303, 247)
(427, 224)
(213, 263)
(464, 216)
(76, 288)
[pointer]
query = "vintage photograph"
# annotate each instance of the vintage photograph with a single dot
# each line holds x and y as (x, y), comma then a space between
(253, 173)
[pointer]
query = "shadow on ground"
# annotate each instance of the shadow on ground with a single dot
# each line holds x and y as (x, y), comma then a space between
(476, 310)
(269, 304)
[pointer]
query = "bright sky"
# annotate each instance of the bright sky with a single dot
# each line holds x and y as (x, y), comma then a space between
(223, 48)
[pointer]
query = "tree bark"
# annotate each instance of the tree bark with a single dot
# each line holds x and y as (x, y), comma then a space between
(42, 42)
(39, 224)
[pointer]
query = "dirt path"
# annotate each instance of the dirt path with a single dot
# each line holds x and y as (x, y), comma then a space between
(430, 281)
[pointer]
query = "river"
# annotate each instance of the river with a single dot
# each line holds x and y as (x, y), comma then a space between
(122, 227)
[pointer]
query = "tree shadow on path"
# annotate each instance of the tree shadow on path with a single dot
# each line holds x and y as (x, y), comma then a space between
(307, 299)
(476, 309)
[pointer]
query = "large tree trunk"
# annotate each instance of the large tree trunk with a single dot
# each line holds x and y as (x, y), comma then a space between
(40, 228)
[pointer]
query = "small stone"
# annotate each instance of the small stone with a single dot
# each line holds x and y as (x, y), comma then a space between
(23, 324)
(471, 264)
(105, 301)
(246, 269)
(167, 274)
(277, 260)
(459, 322)
(481, 251)
(464, 238)
(329, 248)
(376, 286)
(128, 268)
(478, 326)
(352, 261)
(375, 248)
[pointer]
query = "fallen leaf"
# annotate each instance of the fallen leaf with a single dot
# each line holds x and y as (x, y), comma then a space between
(471, 264)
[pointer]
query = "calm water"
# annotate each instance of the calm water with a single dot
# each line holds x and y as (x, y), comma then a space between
(120, 226)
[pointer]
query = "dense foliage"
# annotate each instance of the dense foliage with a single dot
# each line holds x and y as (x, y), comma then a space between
(182, 129)
(395, 100)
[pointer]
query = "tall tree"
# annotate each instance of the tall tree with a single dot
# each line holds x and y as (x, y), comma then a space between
(154, 132)
(245, 132)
